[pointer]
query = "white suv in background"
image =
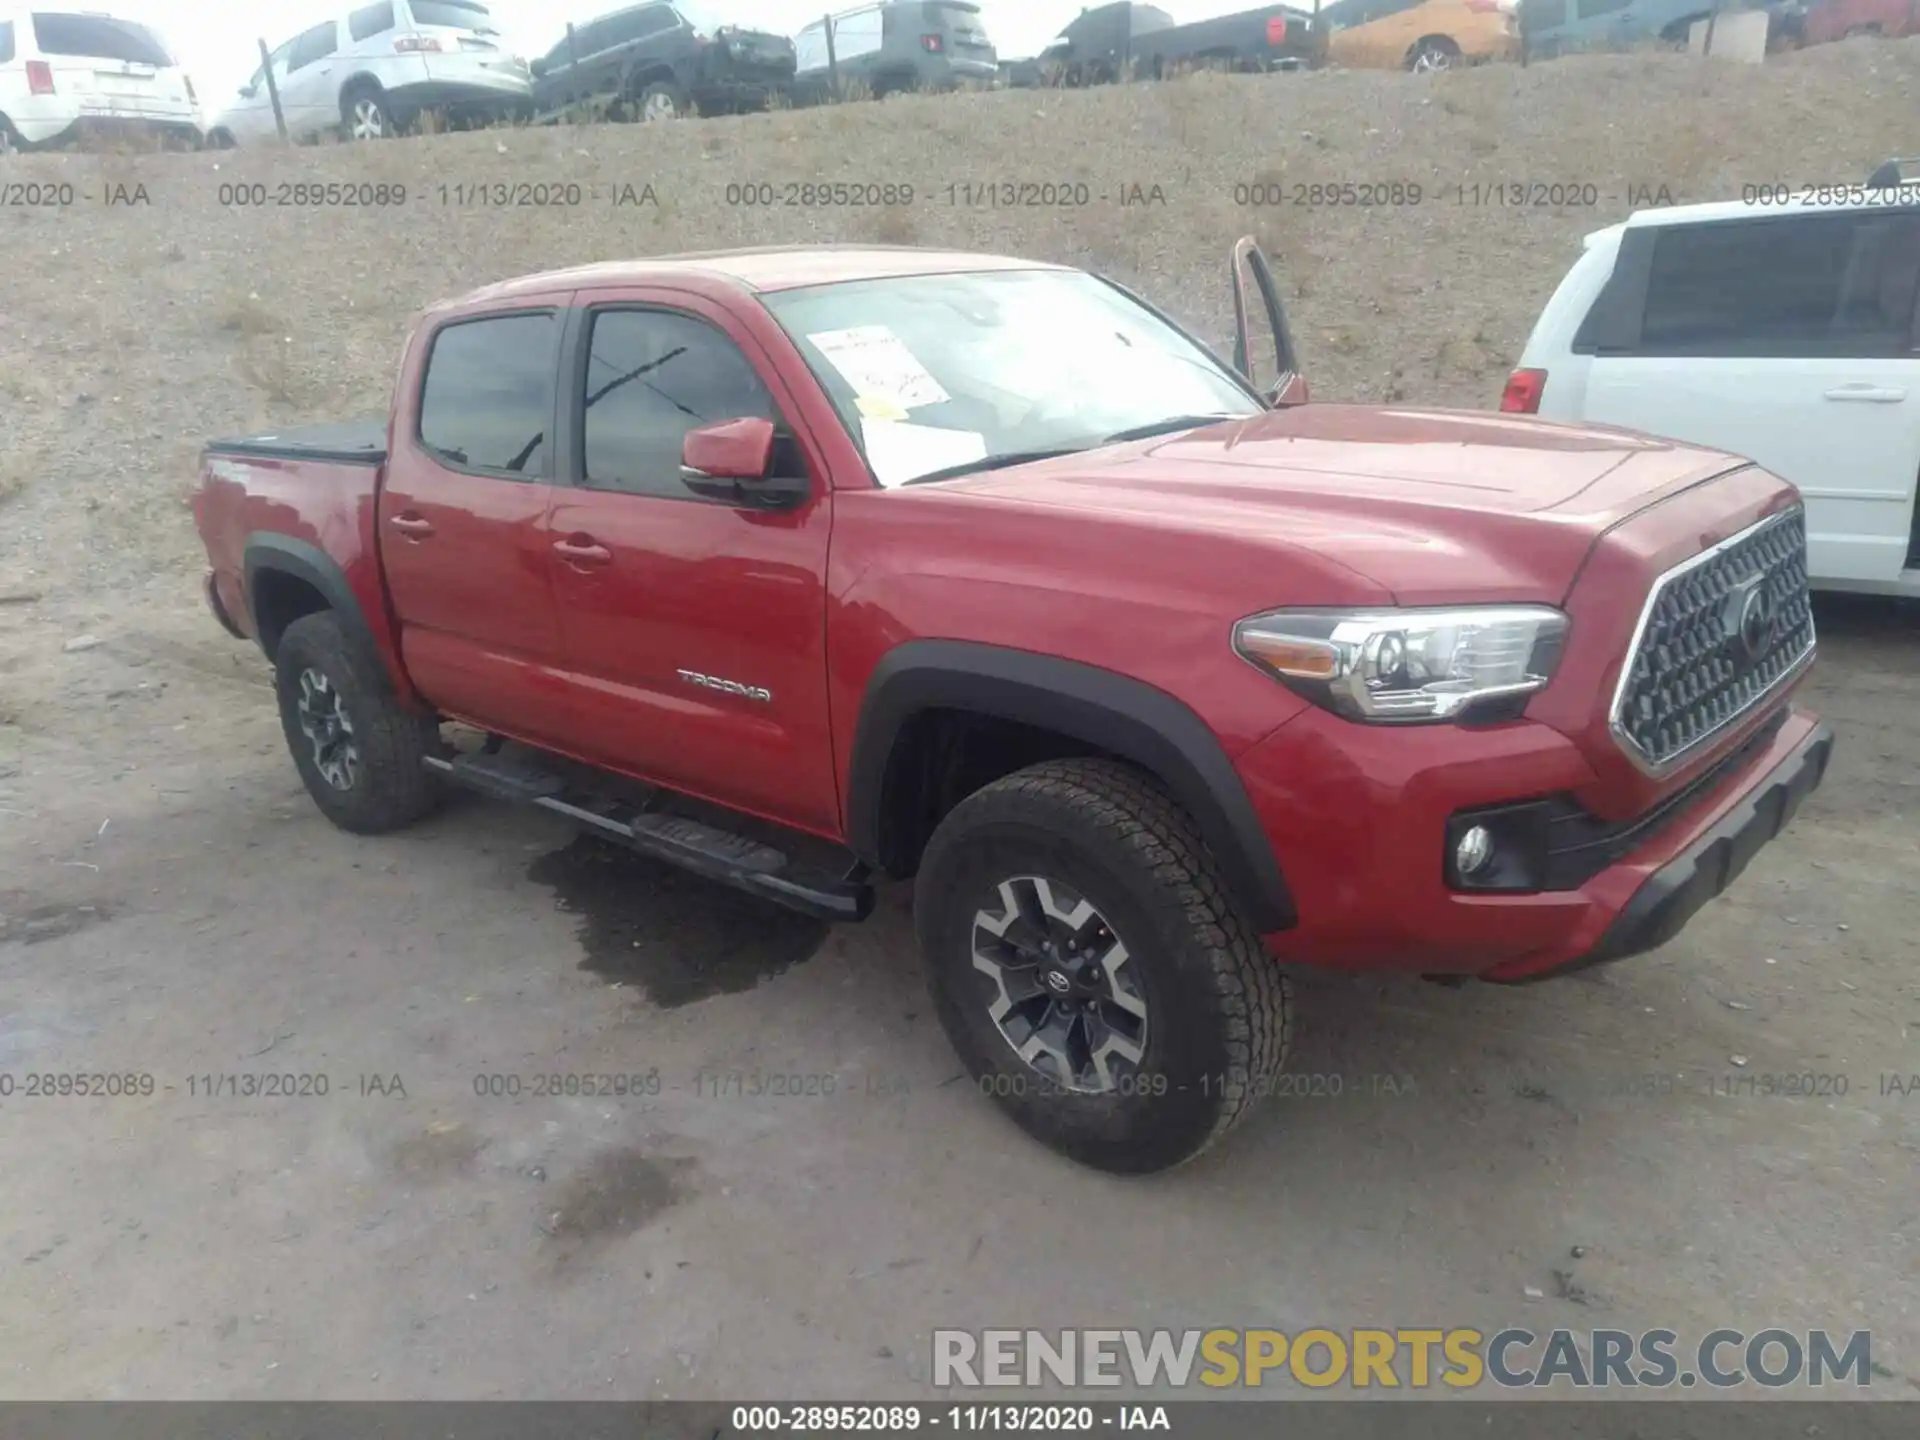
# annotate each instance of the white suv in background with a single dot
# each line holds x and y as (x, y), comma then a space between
(62, 72)
(370, 72)
(1782, 329)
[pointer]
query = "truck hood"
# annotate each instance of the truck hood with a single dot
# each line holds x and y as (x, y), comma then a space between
(1433, 506)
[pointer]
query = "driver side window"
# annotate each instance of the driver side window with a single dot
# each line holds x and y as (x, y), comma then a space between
(653, 375)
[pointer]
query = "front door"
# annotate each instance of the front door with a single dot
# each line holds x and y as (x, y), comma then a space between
(695, 629)
(462, 521)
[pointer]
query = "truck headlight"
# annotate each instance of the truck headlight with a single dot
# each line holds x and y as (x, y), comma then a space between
(1406, 666)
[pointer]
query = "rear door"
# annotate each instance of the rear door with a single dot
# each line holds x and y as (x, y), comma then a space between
(467, 43)
(660, 591)
(463, 513)
(112, 68)
(963, 36)
(1786, 339)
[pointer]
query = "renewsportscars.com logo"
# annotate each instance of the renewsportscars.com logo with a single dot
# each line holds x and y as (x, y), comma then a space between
(1413, 1359)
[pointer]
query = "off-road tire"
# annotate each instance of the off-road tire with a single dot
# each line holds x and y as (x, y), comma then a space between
(1218, 1004)
(392, 787)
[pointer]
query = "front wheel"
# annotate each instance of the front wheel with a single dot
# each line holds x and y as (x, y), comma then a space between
(1436, 52)
(1091, 970)
(361, 753)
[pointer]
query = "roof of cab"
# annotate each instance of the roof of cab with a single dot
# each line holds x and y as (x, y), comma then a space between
(757, 270)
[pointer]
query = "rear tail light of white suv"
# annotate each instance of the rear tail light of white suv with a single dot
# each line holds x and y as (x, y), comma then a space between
(1523, 392)
(39, 78)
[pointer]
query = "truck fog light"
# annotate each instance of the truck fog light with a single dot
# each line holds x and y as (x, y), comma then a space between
(1473, 850)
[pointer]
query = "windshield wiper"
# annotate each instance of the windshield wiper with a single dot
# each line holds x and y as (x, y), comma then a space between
(1162, 427)
(994, 462)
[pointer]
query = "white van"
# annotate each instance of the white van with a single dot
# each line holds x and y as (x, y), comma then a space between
(368, 73)
(64, 71)
(1781, 327)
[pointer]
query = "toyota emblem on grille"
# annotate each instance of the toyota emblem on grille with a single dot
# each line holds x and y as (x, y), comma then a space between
(1752, 622)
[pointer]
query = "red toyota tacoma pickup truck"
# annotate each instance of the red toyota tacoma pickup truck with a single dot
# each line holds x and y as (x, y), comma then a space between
(802, 567)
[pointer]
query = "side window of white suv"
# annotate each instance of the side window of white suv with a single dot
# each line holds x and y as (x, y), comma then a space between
(6, 41)
(1801, 286)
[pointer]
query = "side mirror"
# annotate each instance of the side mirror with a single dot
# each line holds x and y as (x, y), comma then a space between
(246, 91)
(730, 461)
(538, 67)
(1250, 271)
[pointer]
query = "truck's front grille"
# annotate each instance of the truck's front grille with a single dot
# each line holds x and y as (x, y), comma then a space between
(1717, 635)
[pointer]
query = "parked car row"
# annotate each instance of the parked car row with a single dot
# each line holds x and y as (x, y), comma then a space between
(374, 70)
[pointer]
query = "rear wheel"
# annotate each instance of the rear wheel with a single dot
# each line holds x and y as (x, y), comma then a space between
(1090, 969)
(10, 141)
(361, 753)
(1436, 52)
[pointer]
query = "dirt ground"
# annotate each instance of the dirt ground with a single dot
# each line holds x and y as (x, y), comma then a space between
(172, 906)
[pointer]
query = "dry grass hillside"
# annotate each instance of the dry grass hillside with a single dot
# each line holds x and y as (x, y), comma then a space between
(129, 333)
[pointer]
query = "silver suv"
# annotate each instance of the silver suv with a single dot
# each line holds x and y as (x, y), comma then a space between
(369, 73)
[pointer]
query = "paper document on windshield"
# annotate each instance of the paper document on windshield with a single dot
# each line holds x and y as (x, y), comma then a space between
(878, 364)
(899, 452)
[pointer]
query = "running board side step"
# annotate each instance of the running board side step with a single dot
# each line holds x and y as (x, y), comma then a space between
(704, 849)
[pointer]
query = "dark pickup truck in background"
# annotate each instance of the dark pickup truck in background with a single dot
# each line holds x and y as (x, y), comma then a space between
(1102, 44)
(662, 61)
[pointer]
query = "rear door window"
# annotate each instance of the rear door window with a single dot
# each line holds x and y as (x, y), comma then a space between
(487, 401)
(98, 37)
(961, 22)
(6, 41)
(373, 20)
(1816, 285)
(453, 15)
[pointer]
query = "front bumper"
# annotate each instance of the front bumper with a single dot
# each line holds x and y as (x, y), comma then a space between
(1357, 816)
(1669, 897)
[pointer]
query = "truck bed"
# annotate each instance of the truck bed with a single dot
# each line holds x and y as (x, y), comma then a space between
(347, 442)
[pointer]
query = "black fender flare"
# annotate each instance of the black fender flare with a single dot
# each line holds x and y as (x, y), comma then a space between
(1103, 708)
(266, 552)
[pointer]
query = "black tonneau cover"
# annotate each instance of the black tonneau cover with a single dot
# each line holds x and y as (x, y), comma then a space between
(349, 442)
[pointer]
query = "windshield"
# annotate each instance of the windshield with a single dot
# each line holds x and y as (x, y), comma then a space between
(939, 372)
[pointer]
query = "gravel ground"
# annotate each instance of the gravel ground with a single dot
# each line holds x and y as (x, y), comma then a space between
(173, 905)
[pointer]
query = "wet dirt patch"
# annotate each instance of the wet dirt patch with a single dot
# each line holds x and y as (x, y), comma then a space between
(32, 924)
(678, 936)
(443, 1151)
(617, 1193)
